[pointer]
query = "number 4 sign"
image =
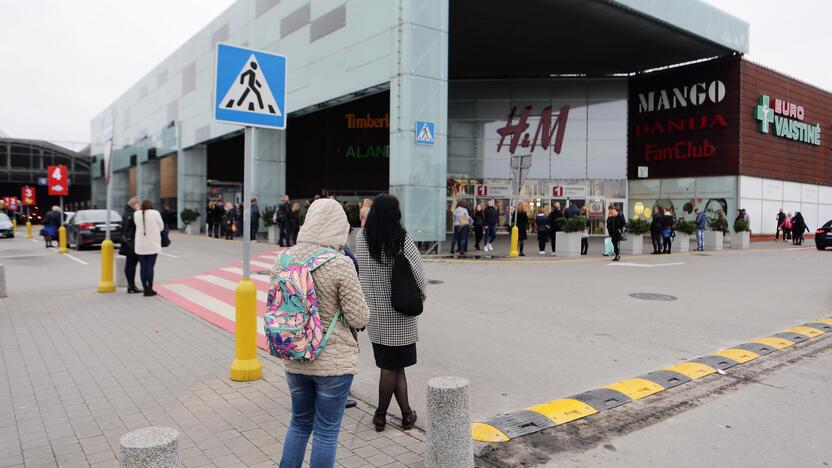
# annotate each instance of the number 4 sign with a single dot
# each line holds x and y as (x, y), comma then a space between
(56, 181)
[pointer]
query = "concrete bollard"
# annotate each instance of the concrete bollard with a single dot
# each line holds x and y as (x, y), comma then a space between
(2, 281)
(153, 446)
(449, 443)
(121, 280)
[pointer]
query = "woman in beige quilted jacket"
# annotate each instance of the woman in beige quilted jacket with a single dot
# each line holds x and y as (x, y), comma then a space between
(320, 388)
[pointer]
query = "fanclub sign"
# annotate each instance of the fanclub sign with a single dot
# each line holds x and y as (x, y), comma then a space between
(27, 196)
(57, 181)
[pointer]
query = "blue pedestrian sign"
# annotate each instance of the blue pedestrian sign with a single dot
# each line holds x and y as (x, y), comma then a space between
(424, 133)
(249, 87)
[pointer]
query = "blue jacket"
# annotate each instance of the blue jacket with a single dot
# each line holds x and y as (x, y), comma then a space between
(701, 220)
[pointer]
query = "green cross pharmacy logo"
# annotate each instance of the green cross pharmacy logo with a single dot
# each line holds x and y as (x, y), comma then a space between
(764, 113)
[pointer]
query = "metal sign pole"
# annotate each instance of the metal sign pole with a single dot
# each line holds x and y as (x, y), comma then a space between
(246, 203)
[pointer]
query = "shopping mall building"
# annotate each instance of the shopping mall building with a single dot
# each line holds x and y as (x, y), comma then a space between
(590, 91)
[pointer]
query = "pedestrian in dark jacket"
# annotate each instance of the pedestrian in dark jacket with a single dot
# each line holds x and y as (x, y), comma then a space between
(615, 228)
(255, 218)
(229, 221)
(542, 223)
(781, 217)
(479, 225)
(571, 211)
(51, 223)
(492, 219)
(667, 230)
(522, 225)
(799, 227)
(656, 229)
(292, 223)
(219, 213)
(554, 225)
(127, 247)
(280, 216)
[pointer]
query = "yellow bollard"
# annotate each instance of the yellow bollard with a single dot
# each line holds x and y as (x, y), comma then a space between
(14, 224)
(515, 242)
(28, 229)
(246, 365)
(106, 285)
(62, 240)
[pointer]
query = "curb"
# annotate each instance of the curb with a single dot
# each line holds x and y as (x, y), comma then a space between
(536, 418)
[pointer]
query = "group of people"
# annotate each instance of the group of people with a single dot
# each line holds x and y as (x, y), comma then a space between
(792, 227)
(357, 289)
(287, 220)
(142, 229)
(225, 219)
(663, 229)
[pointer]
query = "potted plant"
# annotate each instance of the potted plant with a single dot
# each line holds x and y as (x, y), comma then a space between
(267, 214)
(634, 244)
(684, 229)
(188, 216)
(741, 239)
(569, 243)
(714, 237)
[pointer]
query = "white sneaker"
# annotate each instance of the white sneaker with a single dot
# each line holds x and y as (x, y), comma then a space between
(541, 253)
(553, 254)
(488, 248)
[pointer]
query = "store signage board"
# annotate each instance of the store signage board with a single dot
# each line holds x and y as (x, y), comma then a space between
(494, 190)
(568, 191)
(785, 120)
(27, 196)
(249, 87)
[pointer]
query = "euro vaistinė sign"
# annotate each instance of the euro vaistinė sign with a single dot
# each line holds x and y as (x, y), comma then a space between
(249, 87)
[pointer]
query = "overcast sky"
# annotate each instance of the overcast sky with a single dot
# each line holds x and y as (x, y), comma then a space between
(62, 62)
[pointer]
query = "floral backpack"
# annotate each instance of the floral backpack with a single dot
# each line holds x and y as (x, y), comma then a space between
(291, 321)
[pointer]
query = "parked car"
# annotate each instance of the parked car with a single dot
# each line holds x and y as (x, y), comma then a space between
(6, 229)
(89, 227)
(823, 236)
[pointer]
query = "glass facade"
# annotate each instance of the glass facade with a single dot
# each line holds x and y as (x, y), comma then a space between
(714, 195)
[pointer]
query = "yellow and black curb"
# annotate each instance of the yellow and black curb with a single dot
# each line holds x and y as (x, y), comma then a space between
(557, 412)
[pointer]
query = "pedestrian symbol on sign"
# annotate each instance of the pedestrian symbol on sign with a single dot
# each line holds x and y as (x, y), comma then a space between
(250, 91)
(424, 133)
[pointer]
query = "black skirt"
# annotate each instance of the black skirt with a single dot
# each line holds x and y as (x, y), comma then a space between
(394, 357)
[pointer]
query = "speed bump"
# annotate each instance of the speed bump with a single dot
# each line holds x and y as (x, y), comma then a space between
(738, 354)
(792, 336)
(666, 378)
(757, 348)
(603, 399)
(692, 370)
(811, 332)
(520, 423)
(636, 388)
(775, 342)
(717, 362)
(827, 321)
(485, 433)
(826, 327)
(564, 410)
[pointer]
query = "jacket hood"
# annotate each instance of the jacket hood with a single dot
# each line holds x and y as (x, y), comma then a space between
(325, 224)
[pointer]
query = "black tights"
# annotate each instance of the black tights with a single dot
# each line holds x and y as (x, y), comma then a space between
(392, 381)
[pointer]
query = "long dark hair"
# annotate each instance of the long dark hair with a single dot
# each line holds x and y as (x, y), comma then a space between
(383, 230)
(146, 205)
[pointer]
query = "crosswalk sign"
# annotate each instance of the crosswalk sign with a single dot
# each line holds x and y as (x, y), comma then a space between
(424, 133)
(249, 87)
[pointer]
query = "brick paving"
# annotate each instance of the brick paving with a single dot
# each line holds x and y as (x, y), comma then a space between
(80, 369)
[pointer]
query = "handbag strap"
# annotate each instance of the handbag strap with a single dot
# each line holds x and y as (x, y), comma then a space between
(332, 324)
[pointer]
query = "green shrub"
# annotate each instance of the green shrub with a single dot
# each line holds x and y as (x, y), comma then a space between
(718, 224)
(741, 225)
(687, 227)
(576, 224)
(268, 214)
(189, 215)
(638, 226)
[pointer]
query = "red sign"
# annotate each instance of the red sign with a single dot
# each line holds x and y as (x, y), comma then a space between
(57, 181)
(27, 195)
(482, 190)
(557, 191)
(543, 134)
(11, 203)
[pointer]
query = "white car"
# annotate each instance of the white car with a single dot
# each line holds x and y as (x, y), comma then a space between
(6, 229)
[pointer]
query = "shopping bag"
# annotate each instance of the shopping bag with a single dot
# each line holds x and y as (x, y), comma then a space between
(608, 247)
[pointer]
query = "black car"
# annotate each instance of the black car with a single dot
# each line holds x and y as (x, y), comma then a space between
(823, 236)
(89, 227)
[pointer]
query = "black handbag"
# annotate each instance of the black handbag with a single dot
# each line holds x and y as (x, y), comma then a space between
(166, 237)
(404, 290)
(126, 248)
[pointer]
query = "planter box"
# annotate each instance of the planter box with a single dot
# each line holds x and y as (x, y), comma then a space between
(634, 245)
(273, 234)
(741, 240)
(713, 240)
(681, 243)
(189, 229)
(568, 244)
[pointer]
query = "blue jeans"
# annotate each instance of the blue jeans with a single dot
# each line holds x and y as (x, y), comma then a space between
(147, 264)
(460, 238)
(490, 234)
(317, 406)
(700, 239)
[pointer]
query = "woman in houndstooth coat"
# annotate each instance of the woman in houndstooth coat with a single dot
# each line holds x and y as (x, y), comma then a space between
(393, 335)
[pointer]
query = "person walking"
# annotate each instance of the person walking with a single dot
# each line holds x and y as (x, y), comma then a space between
(128, 244)
(656, 229)
(319, 388)
(787, 227)
(364, 211)
(238, 221)
(392, 334)
(280, 215)
(255, 218)
(462, 226)
(51, 223)
(799, 227)
(492, 218)
(585, 233)
(479, 225)
(148, 242)
(701, 220)
(293, 225)
(522, 223)
(229, 220)
(571, 210)
(615, 229)
(554, 225)
(781, 217)
(541, 221)
(209, 218)
(667, 230)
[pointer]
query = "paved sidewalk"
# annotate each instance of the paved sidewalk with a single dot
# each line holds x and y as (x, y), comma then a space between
(80, 369)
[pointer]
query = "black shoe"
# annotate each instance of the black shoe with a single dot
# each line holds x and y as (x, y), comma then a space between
(380, 420)
(149, 292)
(617, 258)
(133, 290)
(351, 404)
(408, 420)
